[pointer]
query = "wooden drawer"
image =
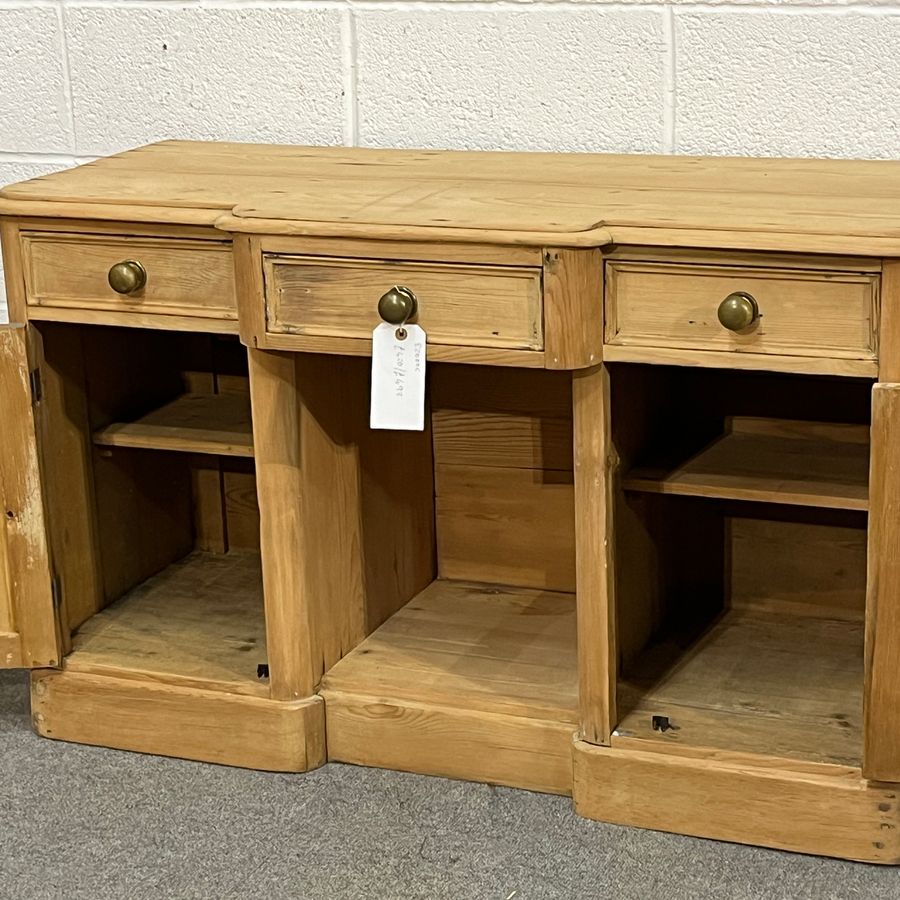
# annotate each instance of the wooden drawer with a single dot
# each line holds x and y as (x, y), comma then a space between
(459, 304)
(183, 277)
(802, 312)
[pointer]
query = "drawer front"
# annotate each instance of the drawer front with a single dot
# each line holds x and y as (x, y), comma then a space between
(183, 277)
(801, 312)
(469, 305)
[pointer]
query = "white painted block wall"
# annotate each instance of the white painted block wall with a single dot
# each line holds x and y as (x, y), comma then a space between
(82, 78)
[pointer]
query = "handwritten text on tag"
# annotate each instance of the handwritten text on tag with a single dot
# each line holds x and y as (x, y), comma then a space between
(398, 378)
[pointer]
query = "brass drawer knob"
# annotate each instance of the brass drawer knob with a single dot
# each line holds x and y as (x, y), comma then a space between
(127, 277)
(738, 311)
(398, 305)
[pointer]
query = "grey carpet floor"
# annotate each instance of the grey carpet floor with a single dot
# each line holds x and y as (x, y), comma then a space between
(83, 822)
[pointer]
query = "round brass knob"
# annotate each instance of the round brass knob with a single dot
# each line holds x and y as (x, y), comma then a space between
(738, 311)
(398, 305)
(127, 277)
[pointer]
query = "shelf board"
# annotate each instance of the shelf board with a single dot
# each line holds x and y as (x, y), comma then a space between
(757, 682)
(772, 460)
(192, 423)
(473, 647)
(199, 622)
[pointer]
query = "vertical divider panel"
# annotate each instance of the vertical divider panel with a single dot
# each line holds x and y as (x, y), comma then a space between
(595, 553)
(332, 393)
(343, 545)
(275, 410)
(276, 438)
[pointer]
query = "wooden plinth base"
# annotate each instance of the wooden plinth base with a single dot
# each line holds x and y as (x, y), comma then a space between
(514, 751)
(827, 810)
(185, 722)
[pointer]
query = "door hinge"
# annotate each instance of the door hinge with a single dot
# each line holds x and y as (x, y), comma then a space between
(56, 591)
(37, 386)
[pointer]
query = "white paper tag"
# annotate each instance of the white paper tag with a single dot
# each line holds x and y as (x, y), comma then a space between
(398, 378)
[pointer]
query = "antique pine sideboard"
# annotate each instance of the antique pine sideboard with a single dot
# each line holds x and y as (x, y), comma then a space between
(645, 551)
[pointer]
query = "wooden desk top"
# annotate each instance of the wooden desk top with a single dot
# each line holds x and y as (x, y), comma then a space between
(804, 205)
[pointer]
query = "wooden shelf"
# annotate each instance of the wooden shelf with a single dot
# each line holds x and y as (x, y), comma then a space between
(755, 682)
(193, 423)
(772, 460)
(199, 622)
(473, 646)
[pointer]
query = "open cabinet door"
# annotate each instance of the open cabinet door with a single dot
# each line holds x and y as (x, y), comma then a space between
(28, 630)
(882, 697)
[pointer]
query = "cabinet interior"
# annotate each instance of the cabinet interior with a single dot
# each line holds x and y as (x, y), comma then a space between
(147, 461)
(740, 514)
(490, 625)
(444, 571)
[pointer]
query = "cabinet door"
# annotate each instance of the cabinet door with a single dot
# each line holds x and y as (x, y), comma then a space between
(882, 697)
(28, 630)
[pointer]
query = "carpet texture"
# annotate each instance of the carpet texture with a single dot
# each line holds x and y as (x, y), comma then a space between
(84, 823)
